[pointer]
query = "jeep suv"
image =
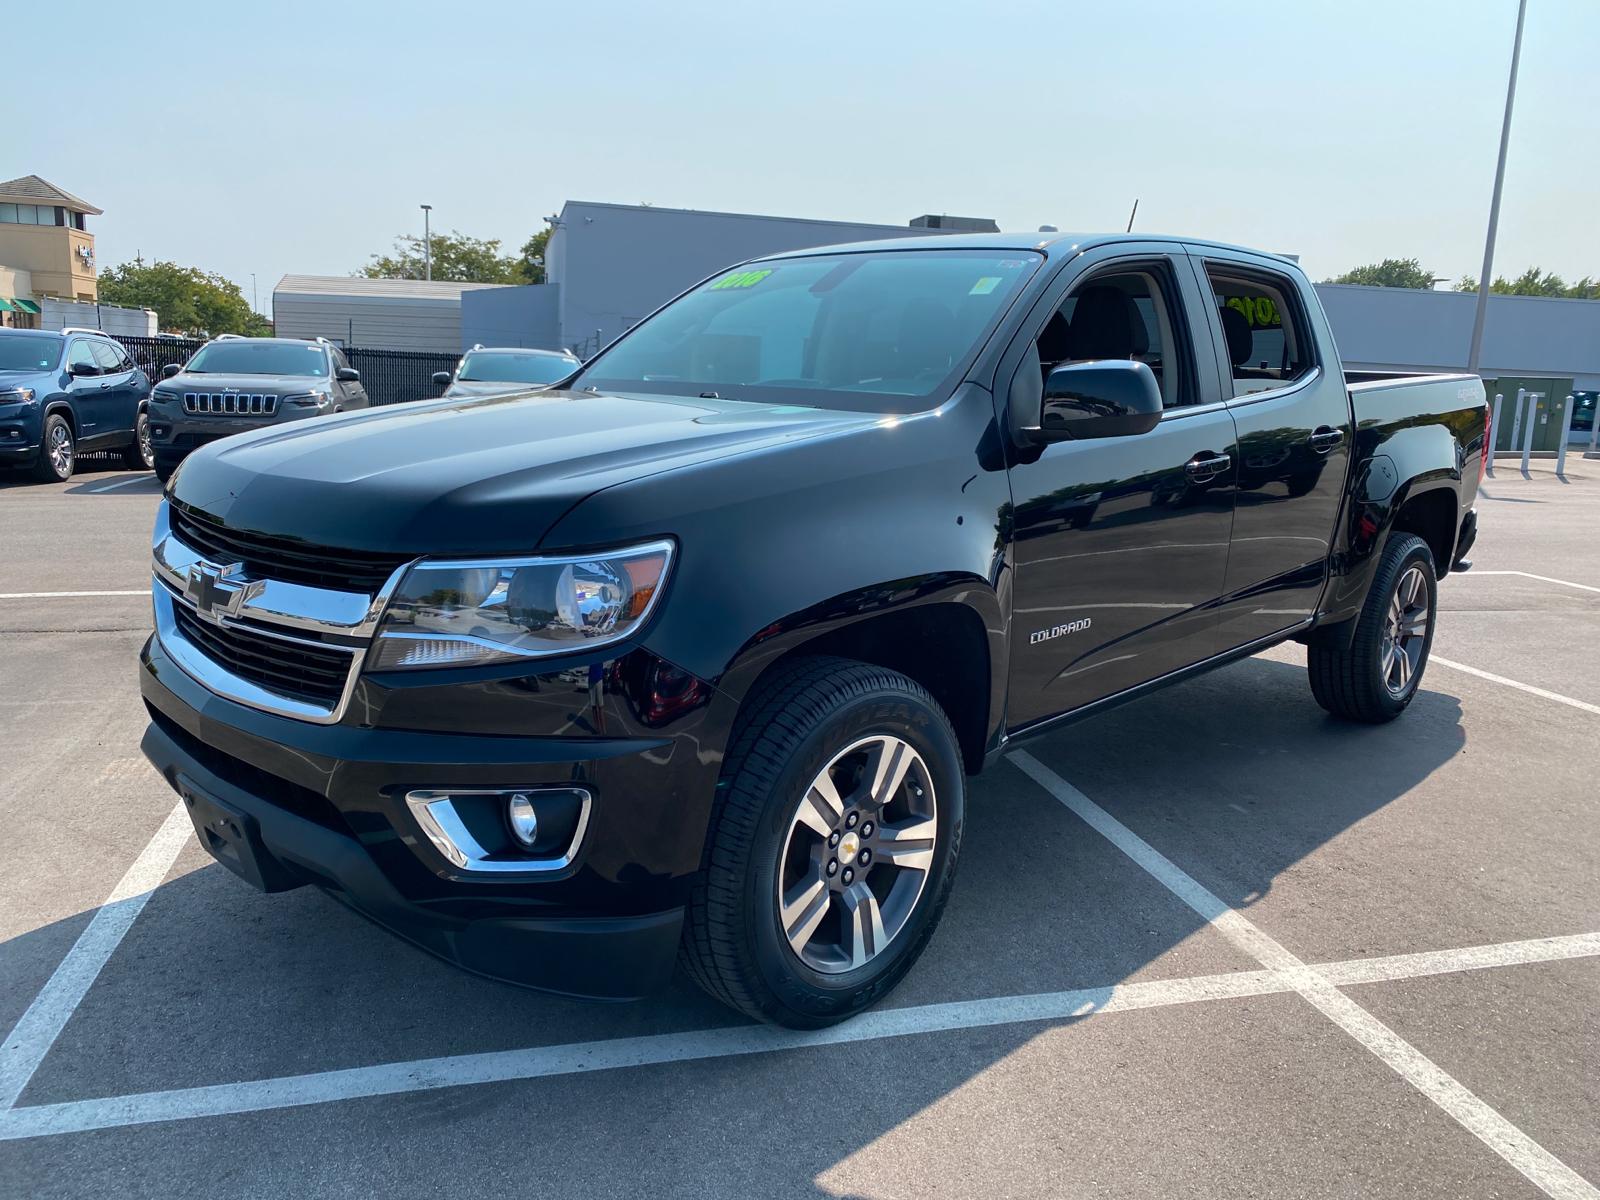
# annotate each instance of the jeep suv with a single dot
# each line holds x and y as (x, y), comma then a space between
(236, 383)
(68, 392)
(491, 371)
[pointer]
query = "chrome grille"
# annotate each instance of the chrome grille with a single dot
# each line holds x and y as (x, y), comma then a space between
(230, 404)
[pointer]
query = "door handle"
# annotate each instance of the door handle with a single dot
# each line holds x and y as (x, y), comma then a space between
(104, 386)
(1204, 466)
(1326, 438)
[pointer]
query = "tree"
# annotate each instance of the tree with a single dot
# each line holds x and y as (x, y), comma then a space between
(185, 299)
(456, 257)
(1391, 272)
(530, 265)
(1537, 282)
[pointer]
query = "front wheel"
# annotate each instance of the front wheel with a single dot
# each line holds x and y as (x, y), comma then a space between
(832, 845)
(1376, 675)
(140, 455)
(58, 451)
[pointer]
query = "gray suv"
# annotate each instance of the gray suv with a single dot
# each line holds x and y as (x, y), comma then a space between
(234, 384)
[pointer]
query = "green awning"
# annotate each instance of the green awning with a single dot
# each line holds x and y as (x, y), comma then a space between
(7, 306)
(27, 306)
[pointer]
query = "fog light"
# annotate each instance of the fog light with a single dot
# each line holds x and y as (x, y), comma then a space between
(523, 820)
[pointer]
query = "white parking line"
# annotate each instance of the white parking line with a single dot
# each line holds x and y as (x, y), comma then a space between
(1583, 587)
(47, 1016)
(542, 1062)
(122, 483)
(1538, 1165)
(65, 595)
(1512, 683)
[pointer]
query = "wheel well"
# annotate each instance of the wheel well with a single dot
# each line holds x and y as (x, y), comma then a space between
(66, 411)
(1432, 517)
(941, 646)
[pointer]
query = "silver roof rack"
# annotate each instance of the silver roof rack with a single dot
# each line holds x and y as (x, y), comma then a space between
(82, 329)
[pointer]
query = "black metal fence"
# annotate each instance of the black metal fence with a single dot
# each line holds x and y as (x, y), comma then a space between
(390, 376)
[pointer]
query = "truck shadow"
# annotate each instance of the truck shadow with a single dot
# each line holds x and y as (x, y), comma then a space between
(1237, 777)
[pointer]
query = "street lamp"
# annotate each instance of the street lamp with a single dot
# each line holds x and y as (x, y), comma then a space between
(427, 239)
(1494, 204)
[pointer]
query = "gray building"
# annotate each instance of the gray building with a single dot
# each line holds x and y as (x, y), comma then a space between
(392, 314)
(608, 265)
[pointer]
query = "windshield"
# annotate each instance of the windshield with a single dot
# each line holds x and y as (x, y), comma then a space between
(259, 358)
(28, 353)
(881, 331)
(506, 366)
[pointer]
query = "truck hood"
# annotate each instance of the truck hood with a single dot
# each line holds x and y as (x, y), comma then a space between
(476, 476)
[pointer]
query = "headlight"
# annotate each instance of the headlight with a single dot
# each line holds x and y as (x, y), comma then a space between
(455, 614)
(308, 399)
(16, 395)
(161, 397)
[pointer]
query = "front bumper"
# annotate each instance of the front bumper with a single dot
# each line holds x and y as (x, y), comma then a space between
(325, 804)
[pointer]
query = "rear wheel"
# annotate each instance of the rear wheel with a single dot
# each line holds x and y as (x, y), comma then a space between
(140, 455)
(1376, 676)
(57, 451)
(832, 846)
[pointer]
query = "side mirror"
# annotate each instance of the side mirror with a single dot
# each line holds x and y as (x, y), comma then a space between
(171, 369)
(1103, 398)
(80, 369)
(348, 375)
(442, 378)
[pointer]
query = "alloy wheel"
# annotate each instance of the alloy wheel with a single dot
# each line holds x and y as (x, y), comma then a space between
(858, 854)
(146, 447)
(1405, 631)
(61, 450)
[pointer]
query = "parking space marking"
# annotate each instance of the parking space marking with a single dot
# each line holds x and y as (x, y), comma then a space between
(66, 595)
(37, 1029)
(121, 483)
(542, 1062)
(1533, 1161)
(1512, 683)
(1583, 587)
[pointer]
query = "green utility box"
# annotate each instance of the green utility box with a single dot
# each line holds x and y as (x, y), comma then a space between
(1550, 414)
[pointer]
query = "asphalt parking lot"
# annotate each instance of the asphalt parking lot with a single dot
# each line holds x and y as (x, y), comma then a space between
(1212, 944)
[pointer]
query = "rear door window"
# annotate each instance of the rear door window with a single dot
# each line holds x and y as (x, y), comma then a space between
(1264, 330)
(111, 362)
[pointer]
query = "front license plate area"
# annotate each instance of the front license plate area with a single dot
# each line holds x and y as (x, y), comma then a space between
(233, 838)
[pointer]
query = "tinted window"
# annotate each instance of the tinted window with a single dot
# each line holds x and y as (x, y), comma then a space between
(500, 366)
(107, 356)
(877, 331)
(79, 354)
(28, 353)
(259, 358)
(1128, 314)
(1263, 327)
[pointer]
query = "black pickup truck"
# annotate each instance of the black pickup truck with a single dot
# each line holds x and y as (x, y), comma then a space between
(692, 655)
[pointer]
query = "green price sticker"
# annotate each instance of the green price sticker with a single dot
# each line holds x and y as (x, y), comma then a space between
(985, 285)
(741, 279)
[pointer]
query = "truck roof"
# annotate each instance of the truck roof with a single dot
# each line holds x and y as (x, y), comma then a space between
(1051, 244)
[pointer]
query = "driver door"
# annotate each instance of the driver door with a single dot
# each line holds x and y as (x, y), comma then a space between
(1119, 544)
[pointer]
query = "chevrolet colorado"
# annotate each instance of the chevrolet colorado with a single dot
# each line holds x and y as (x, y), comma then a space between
(692, 658)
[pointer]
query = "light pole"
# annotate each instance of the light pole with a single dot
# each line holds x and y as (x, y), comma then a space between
(427, 238)
(254, 306)
(1494, 205)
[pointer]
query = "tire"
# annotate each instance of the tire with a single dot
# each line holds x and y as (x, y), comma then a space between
(58, 451)
(842, 718)
(164, 470)
(1358, 681)
(139, 455)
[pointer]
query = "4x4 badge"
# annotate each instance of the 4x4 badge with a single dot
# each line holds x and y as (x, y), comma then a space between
(213, 594)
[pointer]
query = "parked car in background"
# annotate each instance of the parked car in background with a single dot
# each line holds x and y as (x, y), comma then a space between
(493, 371)
(69, 392)
(233, 384)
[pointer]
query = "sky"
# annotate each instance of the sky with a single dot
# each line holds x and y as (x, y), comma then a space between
(298, 137)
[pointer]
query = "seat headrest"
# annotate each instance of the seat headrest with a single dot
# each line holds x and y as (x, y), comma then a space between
(1105, 324)
(1236, 328)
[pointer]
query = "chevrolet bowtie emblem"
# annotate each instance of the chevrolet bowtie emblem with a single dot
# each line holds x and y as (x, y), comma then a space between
(213, 591)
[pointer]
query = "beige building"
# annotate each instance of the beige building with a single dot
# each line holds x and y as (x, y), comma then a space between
(43, 237)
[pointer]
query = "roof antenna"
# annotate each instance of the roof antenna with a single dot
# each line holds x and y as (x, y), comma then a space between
(1133, 214)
